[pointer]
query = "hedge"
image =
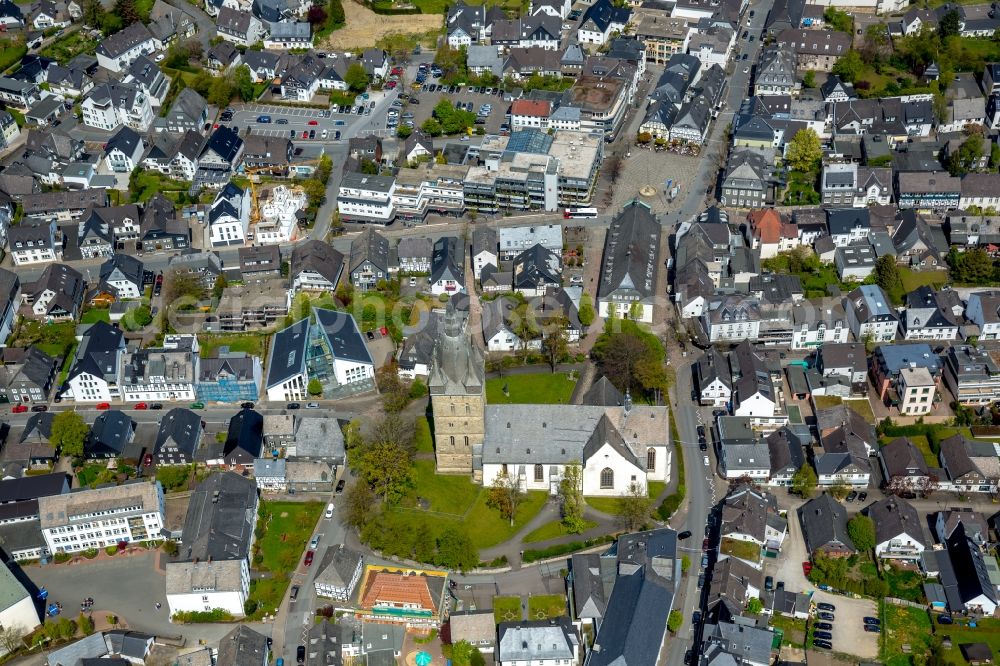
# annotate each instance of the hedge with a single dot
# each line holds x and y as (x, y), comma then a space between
(564, 548)
(195, 617)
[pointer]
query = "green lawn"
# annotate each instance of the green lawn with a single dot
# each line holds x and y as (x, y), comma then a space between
(54, 339)
(545, 606)
(422, 438)
(608, 505)
(655, 488)
(69, 46)
(487, 528)
(986, 631)
(861, 407)
(538, 389)
(744, 550)
(801, 189)
(552, 530)
(285, 534)
(444, 493)
(902, 625)
(94, 315)
(267, 594)
(794, 630)
(507, 609)
(913, 279)
(251, 343)
(145, 184)
(904, 584)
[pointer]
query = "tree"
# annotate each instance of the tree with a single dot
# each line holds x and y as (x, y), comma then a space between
(431, 127)
(755, 606)
(877, 45)
(631, 358)
(137, 318)
(804, 151)
(554, 344)
(69, 432)
(243, 82)
(316, 15)
(356, 508)
(804, 481)
(86, 624)
(456, 550)
(967, 157)
(685, 563)
(809, 79)
(335, 14)
(850, 66)
(356, 77)
(949, 25)
(633, 507)
(92, 13)
(10, 638)
(861, 529)
(586, 312)
(220, 286)
(404, 131)
(571, 498)
(220, 92)
(505, 495)
(887, 273)
(315, 387)
(385, 460)
(463, 653)
(674, 621)
(838, 20)
(127, 12)
(840, 490)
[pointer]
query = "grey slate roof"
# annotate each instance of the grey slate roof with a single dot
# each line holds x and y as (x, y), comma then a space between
(824, 521)
(894, 516)
(243, 647)
(288, 352)
(630, 251)
(219, 519)
(337, 566)
(181, 428)
(318, 256)
(634, 621)
(342, 332)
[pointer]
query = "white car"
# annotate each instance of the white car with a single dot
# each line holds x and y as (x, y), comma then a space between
(314, 542)
(160, 57)
(329, 509)
(706, 461)
(746, 70)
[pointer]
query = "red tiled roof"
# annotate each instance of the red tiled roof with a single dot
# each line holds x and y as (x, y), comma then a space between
(530, 107)
(395, 589)
(768, 226)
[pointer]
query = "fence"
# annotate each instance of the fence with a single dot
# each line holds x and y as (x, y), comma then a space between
(903, 602)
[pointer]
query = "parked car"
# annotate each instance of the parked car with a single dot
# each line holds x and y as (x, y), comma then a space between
(329, 510)
(701, 431)
(826, 607)
(156, 405)
(292, 405)
(18, 409)
(300, 654)
(281, 121)
(851, 496)
(872, 620)
(141, 405)
(696, 617)
(862, 497)
(826, 626)
(704, 561)
(340, 486)
(826, 616)
(39, 408)
(768, 583)
(704, 544)
(295, 593)
(701, 581)
(873, 629)
(246, 405)
(684, 535)
(314, 542)
(264, 119)
(309, 557)
(706, 461)
(198, 405)
(826, 645)
(806, 568)
(101, 406)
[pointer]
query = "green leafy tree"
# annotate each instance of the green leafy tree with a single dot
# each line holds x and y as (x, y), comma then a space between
(967, 157)
(554, 344)
(633, 507)
(850, 66)
(86, 624)
(505, 495)
(809, 79)
(92, 13)
(804, 481)
(356, 77)
(126, 10)
(431, 127)
(973, 266)
(805, 151)
(464, 653)
(69, 432)
(315, 387)
(755, 606)
(674, 621)
(631, 358)
(887, 273)
(877, 45)
(404, 131)
(861, 529)
(685, 563)
(840, 490)
(137, 318)
(571, 498)
(456, 550)
(949, 25)
(243, 80)
(839, 20)
(586, 312)
(358, 506)
(220, 286)
(385, 460)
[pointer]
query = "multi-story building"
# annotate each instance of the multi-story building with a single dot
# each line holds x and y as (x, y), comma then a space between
(916, 391)
(366, 198)
(102, 517)
(229, 216)
(112, 105)
(662, 36)
(972, 375)
(434, 188)
(95, 375)
(34, 243)
(628, 269)
(167, 373)
(983, 309)
(870, 314)
(922, 189)
(117, 52)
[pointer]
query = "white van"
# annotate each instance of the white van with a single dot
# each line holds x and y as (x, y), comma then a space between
(329, 510)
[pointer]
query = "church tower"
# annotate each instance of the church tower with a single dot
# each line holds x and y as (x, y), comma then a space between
(457, 383)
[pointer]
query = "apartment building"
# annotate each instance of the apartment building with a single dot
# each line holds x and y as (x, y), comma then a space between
(102, 517)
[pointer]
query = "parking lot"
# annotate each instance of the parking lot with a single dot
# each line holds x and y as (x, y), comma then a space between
(286, 119)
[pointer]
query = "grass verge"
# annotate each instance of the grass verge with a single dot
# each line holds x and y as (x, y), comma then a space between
(552, 530)
(536, 389)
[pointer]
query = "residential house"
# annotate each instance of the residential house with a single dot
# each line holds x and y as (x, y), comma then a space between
(316, 266)
(786, 456)
(824, 527)
(30, 379)
(543, 642)
(366, 198)
(600, 20)
(747, 181)
(240, 28)
(899, 534)
(970, 467)
(369, 260)
(96, 371)
(888, 361)
(189, 112)
(124, 150)
(144, 74)
(870, 314)
(904, 468)
(122, 276)
(927, 190)
(117, 52)
(846, 442)
(58, 293)
(132, 512)
(338, 573)
(972, 375)
(34, 243)
(111, 105)
(178, 437)
(715, 386)
(229, 216)
(927, 317)
(111, 432)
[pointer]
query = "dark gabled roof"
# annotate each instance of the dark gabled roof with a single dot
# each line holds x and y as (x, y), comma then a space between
(634, 622)
(603, 394)
(288, 352)
(219, 522)
(35, 366)
(111, 431)
(970, 568)
(245, 436)
(370, 246)
(129, 267)
(225, 142)
(125, 139)
(892, 517)
(535, 267)
(181, 428)
(98, 352)
(901, 457)
(824, 521)
(786, 450)
(630, 252)
(344, 337)
(242, 647)
(32, 487)
(318, 256)
(448, 260)
(38, 427)
(123, 40)
(603, 13)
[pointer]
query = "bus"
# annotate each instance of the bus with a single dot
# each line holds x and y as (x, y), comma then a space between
(573, 213)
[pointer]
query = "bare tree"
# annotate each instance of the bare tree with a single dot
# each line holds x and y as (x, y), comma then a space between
(633, 507)
(11, 638)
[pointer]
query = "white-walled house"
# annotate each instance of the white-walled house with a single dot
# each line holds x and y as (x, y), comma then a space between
(898, 530)
(229, 217)
(96, 373)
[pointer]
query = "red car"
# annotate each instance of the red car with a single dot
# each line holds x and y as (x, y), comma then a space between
(141, 405)
(103, 405)
(18, 409)
(309, 557)
(807, 567)
(390, 85)
(397, 71)
(314, 122)
(305, 134)
(704, 545)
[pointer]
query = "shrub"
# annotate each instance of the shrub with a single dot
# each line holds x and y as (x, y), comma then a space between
(170, 547)
(564, 548)
(195, 617)
(90, 553)
(59, 558)
(111, 550)
(250, 606)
